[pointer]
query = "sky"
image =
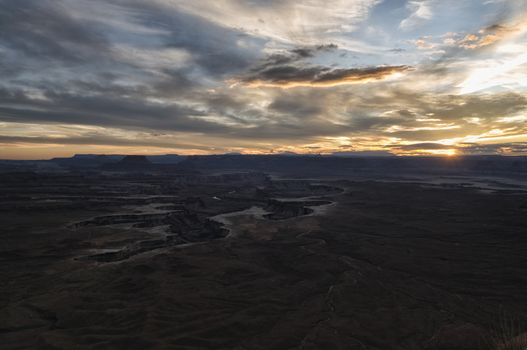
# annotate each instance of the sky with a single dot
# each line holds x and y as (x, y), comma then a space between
(406, 77)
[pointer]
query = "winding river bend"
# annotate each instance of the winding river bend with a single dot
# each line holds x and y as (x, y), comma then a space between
(257, 212)
(312, 205)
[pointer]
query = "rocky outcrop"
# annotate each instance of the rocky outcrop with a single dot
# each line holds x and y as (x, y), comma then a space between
(187, 224)
(184, 227)
(147, 220)
(285, 210)
(135, 160)
(301, 188)
(194, 203)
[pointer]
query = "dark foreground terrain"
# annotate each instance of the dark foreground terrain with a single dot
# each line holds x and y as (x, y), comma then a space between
(246, 261)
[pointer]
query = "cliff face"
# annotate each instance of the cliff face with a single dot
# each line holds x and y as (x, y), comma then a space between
(141, 163)
(285, 210)
(133, 163)
(135, 160)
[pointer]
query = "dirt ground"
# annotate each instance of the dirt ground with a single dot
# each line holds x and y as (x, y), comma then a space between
(384, 267)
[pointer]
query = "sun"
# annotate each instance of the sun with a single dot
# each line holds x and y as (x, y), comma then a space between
(450, 153)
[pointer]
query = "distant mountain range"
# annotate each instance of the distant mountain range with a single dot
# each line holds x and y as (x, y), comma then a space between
(339, 164)
(99, 159)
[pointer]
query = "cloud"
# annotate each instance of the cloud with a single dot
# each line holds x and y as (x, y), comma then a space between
(115, 109)
(425, 148)
(290, 76)
(289, 69)
(294, 55)
(45, 30)
(132, 40)
(287, 21)
(488, 36)
(511, 149)
(132, 68)
(98, 140)
(421, 11)
(422, 146)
